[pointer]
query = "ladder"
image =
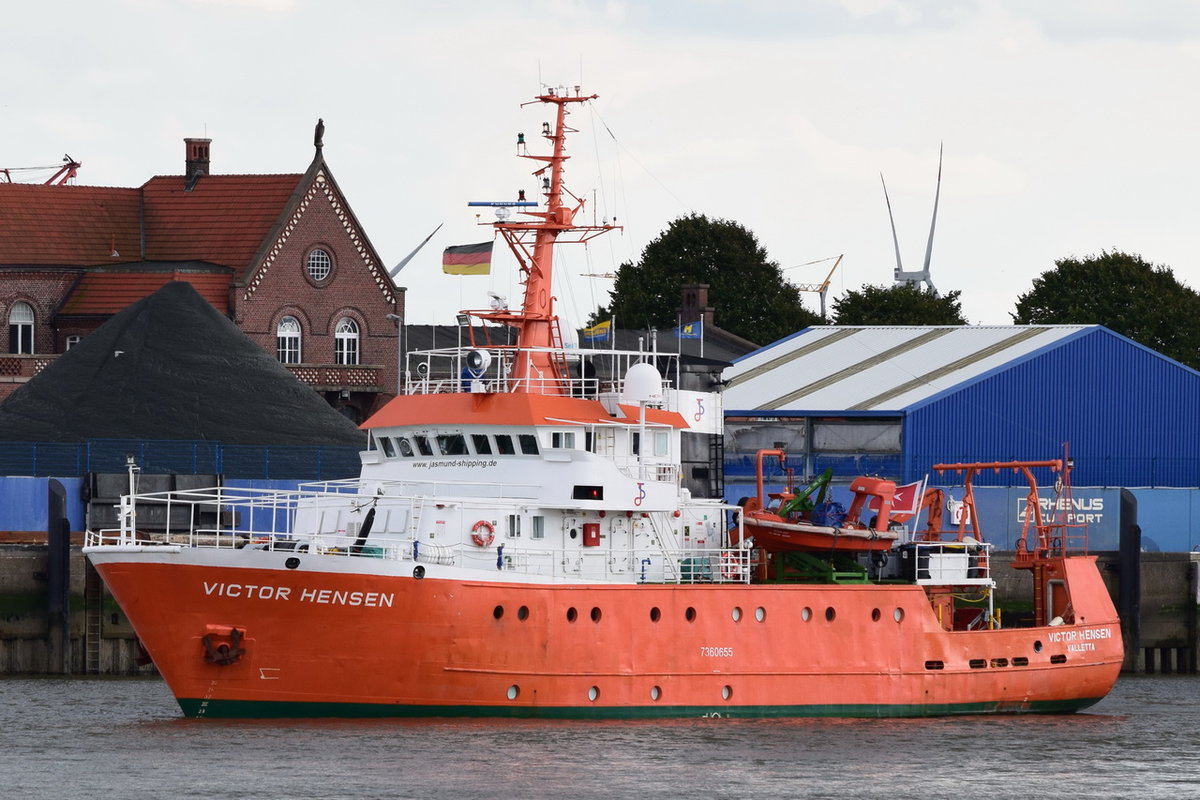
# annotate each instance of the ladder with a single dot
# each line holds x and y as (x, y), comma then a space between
(716, 465)
(93, 601)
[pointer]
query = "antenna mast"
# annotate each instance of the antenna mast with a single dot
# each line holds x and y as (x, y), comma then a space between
(539, 356)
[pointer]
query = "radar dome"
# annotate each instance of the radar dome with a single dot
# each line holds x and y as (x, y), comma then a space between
(643, 384)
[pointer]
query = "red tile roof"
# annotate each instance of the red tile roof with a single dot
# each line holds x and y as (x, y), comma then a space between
(103, 293)
(224, 219)
(70, 225)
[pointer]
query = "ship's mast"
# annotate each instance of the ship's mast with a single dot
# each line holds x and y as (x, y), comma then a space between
(538, 361)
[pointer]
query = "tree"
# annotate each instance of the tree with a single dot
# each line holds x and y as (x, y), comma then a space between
(901, 304)
(1124, 293)
(748, 292)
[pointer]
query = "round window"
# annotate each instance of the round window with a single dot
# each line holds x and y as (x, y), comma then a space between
(320, 264)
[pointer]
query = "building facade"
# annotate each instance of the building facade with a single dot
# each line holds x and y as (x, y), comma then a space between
(283, 256)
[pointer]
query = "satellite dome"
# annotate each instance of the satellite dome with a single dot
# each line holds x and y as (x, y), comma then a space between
(642, 384)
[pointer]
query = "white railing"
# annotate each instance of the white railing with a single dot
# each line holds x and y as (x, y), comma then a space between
(728, 565)
(441, 370)
(328, 520)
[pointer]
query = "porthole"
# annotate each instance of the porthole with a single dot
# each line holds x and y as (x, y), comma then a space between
(737, 614)
(523, 613)
(595, 614)
(655, 614)
(513, 691)
(292, 562)
(498, 612)
(898, 614)
(760, 613)
(806, 613)
(830, 614)
(593, 693)
(875, 615)
(655, 692)
(690, 614)
(572, 614)
(726, 692)
(1037, 646)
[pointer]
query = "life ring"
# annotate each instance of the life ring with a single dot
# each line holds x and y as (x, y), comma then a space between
(483, 539)
(731, 566)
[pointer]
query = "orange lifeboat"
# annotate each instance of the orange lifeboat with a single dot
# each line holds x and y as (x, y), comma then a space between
(789, 521)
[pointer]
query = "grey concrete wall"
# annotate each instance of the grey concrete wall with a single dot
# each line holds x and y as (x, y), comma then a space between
(25, 646)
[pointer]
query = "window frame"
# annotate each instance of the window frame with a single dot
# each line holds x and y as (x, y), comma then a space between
(319, 265)
(289, 342)
(21, 330)
(346, 342)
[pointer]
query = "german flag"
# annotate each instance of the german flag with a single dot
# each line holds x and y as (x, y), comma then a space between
(467, 259)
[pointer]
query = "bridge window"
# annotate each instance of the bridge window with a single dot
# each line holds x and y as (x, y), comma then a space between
(483, 445)
(389, 449)
(528, 444)
(405, 446)
(562, 440)
(423, 445)
(504, 444)
(452, 444)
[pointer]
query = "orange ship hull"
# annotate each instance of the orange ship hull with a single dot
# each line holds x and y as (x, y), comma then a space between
(332, 643)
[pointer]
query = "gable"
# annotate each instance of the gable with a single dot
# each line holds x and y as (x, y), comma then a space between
(321, 189)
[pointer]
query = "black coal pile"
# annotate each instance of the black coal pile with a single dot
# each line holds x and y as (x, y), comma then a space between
(170, 366)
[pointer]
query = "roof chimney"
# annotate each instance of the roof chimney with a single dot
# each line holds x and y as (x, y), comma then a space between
(196, 163)
(695, 304)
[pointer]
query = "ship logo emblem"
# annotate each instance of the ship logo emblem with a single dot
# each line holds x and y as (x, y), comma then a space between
(699, 415)
(637, 501)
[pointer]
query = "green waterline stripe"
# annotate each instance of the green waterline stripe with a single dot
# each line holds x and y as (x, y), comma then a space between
(257, 709)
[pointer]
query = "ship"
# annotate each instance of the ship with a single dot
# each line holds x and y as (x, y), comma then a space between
(522, 541)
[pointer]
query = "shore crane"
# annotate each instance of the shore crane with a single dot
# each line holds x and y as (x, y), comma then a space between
(820, 288)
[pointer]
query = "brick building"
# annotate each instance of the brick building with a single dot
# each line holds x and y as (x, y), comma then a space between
(283, 256)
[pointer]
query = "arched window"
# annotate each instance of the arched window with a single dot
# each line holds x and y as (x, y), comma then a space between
(346, 341)
(287, 340)
(20, 328)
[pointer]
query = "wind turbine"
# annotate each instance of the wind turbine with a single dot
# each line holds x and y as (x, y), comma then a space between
(901, 275)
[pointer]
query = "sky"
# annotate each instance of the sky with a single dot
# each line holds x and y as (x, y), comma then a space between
(1069, 128)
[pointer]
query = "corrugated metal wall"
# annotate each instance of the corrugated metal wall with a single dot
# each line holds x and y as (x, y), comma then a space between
(1131, 416)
